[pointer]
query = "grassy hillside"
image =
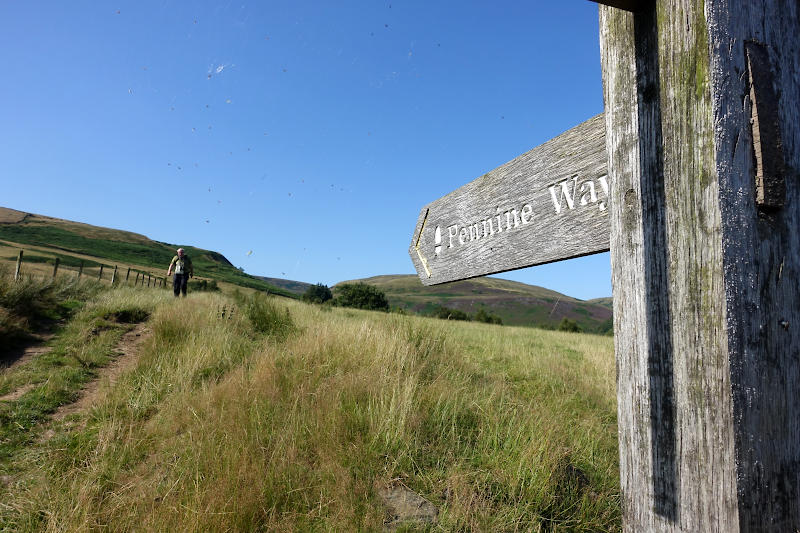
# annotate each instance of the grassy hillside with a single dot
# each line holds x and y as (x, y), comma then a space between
(516, 303)
(290, 417)
(120, 246)
(295, 287)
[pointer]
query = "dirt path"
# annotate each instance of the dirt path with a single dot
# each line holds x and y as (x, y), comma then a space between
(126, 357)
(18, 355)
(10, 359)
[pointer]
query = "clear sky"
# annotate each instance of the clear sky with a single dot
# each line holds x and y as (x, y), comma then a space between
(298, 138)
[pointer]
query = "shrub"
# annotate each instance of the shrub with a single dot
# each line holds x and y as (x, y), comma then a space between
(447, 313)
(569, 326)
(361, 296)
(488, 318)
(317, 294)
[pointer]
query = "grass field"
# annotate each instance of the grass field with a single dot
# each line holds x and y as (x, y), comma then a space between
(284, 416)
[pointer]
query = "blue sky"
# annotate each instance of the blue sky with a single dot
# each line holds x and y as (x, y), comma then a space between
(307, 133)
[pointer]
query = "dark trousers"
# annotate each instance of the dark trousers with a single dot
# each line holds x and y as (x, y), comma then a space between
(179, 284)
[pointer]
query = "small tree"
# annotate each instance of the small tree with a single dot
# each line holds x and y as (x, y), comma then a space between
(483, 316)
(447, 313)
(317, 294)
(361, 296)
(569, 325)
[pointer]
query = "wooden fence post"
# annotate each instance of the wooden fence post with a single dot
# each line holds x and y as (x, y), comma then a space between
(148, 281)
(80, 270)
(100, 275)
(127, 274)
(55, 267)
(114, 275)
(19, 266)
(701, 101)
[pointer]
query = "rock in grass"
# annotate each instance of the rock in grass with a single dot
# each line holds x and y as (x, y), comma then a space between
(404, 506)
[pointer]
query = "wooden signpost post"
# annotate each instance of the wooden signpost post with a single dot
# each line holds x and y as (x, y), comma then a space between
(702, 136)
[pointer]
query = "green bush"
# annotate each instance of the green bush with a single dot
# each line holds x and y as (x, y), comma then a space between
(488, 318)
(447, 313)
(569, 325)
(317, 294)
(361, 296)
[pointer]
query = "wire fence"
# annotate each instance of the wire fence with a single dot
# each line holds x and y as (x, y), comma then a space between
(91, 270)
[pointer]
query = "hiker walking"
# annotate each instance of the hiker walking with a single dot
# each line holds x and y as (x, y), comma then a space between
(183, 271)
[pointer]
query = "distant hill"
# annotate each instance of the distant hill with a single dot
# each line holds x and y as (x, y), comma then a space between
(118, 245)
(295, 287)
(605, 302)
(518, 304)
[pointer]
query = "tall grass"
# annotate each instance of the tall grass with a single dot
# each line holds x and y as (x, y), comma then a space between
(30, 300)
(53, 379)
(223, 428)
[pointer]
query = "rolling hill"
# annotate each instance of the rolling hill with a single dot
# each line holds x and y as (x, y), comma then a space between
(295, 287)
(75, 241)
(517, 304)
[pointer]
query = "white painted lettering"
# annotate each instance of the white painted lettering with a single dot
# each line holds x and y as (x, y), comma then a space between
(452, 231)
(462, 236)
(474, 232)
(491, 228)
(437, 240)
(565, 193)
(589, 195)
(509, 215)
(603, 185)
(499, 223)
(527, 213)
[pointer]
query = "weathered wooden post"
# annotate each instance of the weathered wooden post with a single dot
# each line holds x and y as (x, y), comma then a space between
(55, 267)
(136, 281)
(114, 275)
(80, 270)
(702, 107)
(100, 275)
(18, 267)
(702, 204)
(148, 281)
(127, 274)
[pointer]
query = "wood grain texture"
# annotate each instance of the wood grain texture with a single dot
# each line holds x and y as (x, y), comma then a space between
(650, 473)
(761, 251)
(549, 204)
(628, 5)
(705, 280)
